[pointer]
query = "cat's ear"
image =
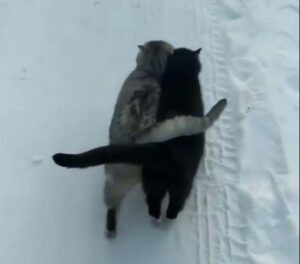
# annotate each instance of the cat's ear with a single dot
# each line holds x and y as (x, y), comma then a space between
(197, 51)
(141, 47)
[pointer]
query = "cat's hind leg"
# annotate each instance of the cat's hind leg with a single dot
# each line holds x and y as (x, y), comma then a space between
(178, 192)
(111, 222)
(114, 194)
(119, 181)
(155, 187)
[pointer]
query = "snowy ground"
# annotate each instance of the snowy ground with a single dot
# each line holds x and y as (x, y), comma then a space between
(61, 66)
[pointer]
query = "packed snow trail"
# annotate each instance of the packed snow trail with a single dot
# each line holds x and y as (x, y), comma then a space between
(62, 64)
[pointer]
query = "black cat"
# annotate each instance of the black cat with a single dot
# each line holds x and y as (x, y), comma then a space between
(181, 95)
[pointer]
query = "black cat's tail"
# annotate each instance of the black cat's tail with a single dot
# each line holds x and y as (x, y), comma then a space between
(150, 153)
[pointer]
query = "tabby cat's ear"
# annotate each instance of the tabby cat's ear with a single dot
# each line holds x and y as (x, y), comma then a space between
(141, 47)
(197, 51)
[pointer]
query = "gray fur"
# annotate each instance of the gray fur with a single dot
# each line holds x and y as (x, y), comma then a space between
(128, 118)
(182, 125)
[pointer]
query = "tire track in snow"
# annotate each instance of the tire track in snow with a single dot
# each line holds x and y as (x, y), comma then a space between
(267, 207)
(222, 221)
(220, 231)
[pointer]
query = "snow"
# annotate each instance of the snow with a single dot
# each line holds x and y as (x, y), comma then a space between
(62, 64)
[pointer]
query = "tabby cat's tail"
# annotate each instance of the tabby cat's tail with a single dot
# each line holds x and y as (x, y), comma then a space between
(183, 125)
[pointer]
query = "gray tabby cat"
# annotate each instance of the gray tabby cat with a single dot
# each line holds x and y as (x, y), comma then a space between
(128, 121)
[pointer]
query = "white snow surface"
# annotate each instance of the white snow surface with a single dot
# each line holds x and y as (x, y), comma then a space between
(62, 64)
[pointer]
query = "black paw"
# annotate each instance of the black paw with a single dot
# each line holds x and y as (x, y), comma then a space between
(172, 214)
(110, 234)
(154, 212)
(111, 220)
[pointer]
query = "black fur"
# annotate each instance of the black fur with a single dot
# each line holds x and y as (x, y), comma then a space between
(181, 95)
(150, 153)
(170, 166)
(111, 218)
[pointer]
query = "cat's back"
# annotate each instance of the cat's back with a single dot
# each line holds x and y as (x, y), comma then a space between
(136, 81)
(151, 62)
(181, 92)
(181, 95)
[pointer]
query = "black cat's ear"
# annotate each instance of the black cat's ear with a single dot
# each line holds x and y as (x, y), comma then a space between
(197, 51)
(141, 47)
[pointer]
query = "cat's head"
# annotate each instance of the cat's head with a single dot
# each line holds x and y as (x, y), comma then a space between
(153, 56)
(185, 60)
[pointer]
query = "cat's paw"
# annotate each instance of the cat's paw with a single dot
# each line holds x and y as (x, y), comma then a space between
(110, 234)
(155, 222)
